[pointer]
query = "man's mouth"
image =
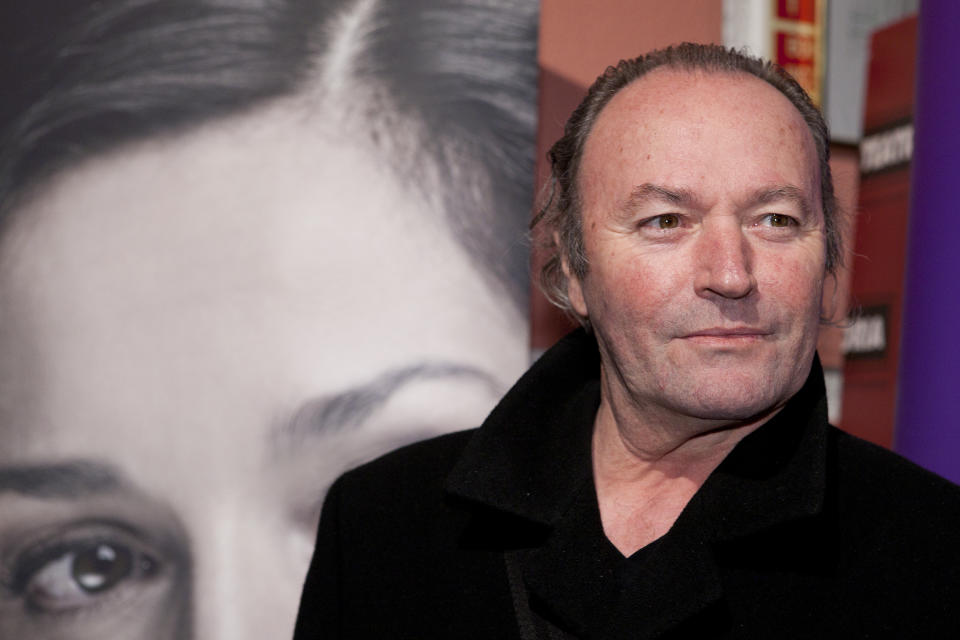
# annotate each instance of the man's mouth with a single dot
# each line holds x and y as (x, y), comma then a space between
(728, 335)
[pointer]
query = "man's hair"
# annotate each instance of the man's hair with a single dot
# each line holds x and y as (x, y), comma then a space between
(561, 212)
(84, 77)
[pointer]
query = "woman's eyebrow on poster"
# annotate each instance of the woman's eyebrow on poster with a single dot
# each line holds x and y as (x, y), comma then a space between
(353, 407)
(62, 480)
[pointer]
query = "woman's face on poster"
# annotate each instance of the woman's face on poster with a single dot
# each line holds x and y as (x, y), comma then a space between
(196, 336)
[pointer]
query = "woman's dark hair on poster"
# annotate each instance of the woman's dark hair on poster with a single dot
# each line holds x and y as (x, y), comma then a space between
(84, 77)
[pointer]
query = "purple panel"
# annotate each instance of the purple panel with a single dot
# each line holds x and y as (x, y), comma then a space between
(928, 398)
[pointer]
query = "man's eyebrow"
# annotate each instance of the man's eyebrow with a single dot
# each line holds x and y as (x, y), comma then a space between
(66, 480)
(649, 192)
(682, 197)
(351, 408)
(789, 193)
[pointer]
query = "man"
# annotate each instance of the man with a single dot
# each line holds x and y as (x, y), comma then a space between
(669, 472)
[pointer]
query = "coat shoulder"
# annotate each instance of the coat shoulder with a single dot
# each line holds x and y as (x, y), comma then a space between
(894, 510)
(873, 471)
(391, 538)
(415, 472)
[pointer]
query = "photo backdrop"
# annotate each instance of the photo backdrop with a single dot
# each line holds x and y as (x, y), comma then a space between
(244, 245)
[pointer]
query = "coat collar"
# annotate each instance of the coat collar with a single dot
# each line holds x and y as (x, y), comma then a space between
(532, 454)
(531, 459)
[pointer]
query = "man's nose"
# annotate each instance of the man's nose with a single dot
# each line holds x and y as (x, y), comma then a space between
(724, 261)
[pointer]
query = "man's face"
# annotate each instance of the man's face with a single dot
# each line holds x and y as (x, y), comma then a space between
(196, 336)
(703, 228)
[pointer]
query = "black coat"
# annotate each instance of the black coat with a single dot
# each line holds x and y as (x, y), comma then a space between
(802, 532)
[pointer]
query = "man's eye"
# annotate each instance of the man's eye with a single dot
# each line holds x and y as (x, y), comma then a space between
(73, 576)
(669, 221)
(779, 220)
(663, 222)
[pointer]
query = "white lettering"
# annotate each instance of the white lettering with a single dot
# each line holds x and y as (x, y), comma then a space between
(867, 334)
(886, 149)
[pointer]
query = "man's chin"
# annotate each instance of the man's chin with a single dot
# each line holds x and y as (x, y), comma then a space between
(730, 410)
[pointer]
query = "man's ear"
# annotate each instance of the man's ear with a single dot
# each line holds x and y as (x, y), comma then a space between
(574, 286)
(828, 310)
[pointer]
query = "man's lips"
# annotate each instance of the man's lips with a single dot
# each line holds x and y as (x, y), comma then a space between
(727, 335)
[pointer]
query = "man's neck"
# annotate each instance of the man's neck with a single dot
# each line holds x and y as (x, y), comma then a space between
(645, 474)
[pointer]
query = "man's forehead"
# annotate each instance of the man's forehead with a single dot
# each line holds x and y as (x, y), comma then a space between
(668, 91)
(694, 101)
(725, 132)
